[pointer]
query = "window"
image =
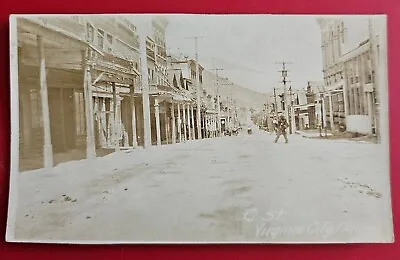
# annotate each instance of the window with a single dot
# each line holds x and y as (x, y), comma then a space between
(77, 18)
(90, 33)
(109, 42)
(343, 32)
(100, 38)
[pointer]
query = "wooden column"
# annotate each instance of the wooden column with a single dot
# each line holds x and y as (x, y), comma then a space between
(166, 120)
(346, 88)
(96, 119)
(47, 145)
(157, 114)
(188, 122)
(193, 128)
(134, 134)
(370, 108)
(205, 125)
(115, 118)
(89, 115)
(363, 80)
(173, 123)
(101, 119)
(62, 120)
(179, 124)
(331, 111)
(355, 88)
(184, 122)
(145, 89)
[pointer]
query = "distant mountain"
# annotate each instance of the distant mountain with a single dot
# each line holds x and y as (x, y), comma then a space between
(245, 98)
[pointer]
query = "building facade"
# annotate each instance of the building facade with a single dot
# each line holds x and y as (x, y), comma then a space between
(81, 91)
(349, 74)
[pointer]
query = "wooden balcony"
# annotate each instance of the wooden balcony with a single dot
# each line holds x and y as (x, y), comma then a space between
(67, 25)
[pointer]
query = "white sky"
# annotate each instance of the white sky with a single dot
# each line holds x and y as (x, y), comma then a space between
(248, 46)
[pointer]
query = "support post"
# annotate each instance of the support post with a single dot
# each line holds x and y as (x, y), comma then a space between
(188, 122)
(133, 108)
(331, 111)
(346, 92)
(145, 89)
(166, 125)
(157, 114)
(115, 119)
(173, 123)
(184, 121)
(192, 117)
(90, 148)
(47, 145)
(179, 124)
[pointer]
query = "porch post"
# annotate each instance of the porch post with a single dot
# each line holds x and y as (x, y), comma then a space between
(205, 126)
(89, 114)
(356, 87)
(192, 116)
(173, 123)
(47, 145)
(96, 118)
(370, 108)
(188, 122)
(134, 134)
(346, 91)
(179, 124)
(115, 118)
(331, 111)
(166, 124)
(103, 122)
(157, 114)
(184, 122)
(145, 89)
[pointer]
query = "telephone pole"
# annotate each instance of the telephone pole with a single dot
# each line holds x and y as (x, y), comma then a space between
(284, 75)
(218, 101)
(198, 94)
(276, 105)
(230, 105)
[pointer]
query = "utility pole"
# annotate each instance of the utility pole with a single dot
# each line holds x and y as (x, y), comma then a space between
(198, 94)
(218, 101)
(284, 75)
(276, 105)
(291, 116)
(230, 105)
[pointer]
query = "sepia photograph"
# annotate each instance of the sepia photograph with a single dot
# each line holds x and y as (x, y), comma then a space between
(189, 128)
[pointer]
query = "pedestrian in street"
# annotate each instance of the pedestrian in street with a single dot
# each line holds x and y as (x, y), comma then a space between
(275, 124)
(281, 129)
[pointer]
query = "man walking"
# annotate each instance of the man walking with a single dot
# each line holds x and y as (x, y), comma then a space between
(281, 129)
